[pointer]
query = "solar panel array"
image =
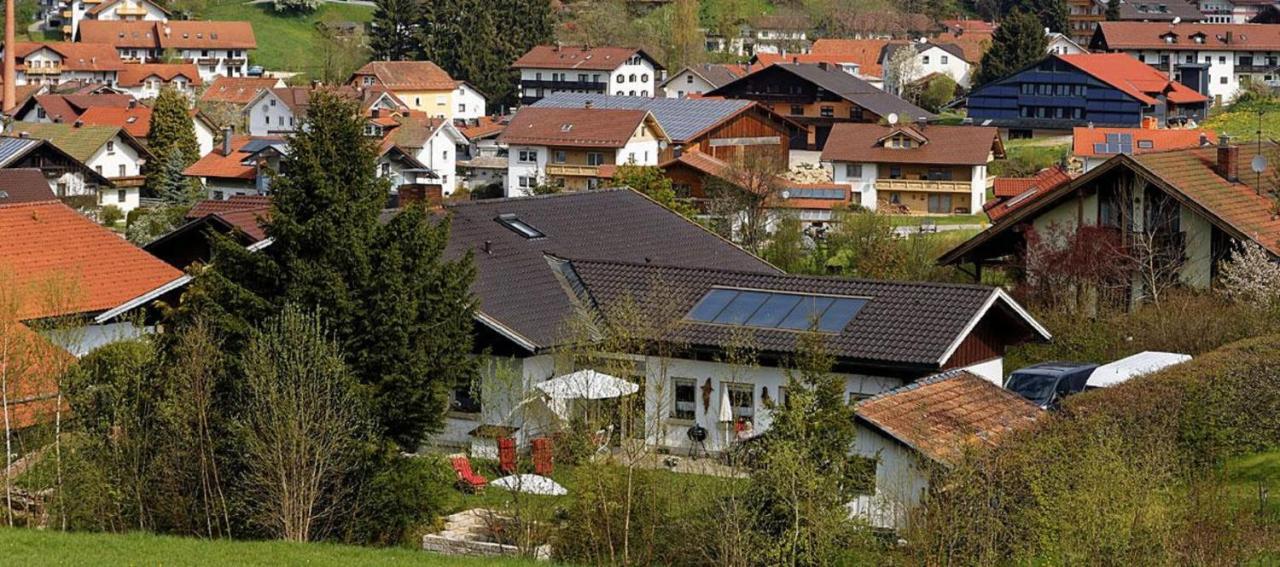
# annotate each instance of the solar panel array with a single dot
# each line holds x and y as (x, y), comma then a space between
(1115, 144)
(682, 118)
(11, 148)
(815, 193)
(258, 145)
(776, 310)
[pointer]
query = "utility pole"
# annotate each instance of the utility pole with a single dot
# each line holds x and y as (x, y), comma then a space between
(10, 76)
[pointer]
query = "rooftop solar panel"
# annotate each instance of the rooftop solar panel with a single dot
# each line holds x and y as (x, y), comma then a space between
(11, 148)
(776, 310)
(682, 118)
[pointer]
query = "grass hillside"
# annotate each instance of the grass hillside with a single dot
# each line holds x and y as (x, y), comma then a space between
(286, 42)
(37, 548)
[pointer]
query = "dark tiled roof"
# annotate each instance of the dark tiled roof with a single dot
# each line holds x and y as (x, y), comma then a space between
(852, 89)
(944, 415)
(944, 145)
(518, 289)
(1159, 11)
(904, 323)
(23, 186)
(951, 48)
(682, 118)
(716, 74)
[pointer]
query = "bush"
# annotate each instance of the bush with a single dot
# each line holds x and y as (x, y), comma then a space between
(939, 91)
(401, 495)
(110, 215)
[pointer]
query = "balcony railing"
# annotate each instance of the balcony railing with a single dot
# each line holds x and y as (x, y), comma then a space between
(131, 11)
(55, 70)
(574, 170)
(564, 85)
(923, 185)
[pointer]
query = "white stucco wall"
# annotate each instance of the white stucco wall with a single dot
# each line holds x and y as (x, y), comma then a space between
(901, 479)
(686, 83)
(864, 186)
(468, 103)
(645, 79)
(517, 169)
(270, 115)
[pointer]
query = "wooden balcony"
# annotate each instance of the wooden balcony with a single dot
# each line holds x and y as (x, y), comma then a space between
(923, 185)
(55, 70)
(131, 11)
(573, 170)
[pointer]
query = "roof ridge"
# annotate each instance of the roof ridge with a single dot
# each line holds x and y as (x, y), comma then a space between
(43, 203)
(476, 202)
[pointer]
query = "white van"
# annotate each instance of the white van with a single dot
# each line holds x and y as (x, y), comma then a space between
(1122, 370)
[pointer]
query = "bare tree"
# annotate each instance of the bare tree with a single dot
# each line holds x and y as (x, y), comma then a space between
(901, 72)
(302, 424)
(741, 199)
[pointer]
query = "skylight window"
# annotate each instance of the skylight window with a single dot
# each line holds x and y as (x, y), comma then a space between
(518, 226)
(776, 310)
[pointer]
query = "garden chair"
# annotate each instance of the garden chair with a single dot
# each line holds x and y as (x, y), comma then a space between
(468, 480)
(542, 457)
(507, 455)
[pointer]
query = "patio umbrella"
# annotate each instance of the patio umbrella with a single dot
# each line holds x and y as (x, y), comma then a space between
(587, 385)
(726, 413)
(531, 484)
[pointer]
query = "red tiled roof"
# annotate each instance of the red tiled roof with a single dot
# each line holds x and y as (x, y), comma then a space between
(77, 56)
(1083, 139)
(133, 75)
(407, 75)
(237, 90)
(864, 52)
(578, 57)
(944, 145)
(94, 11)
(215, 164)
(973, 44)
(1150, 35)
(1014, 192)
(947, 414)
(970, 26)
(245, 212)
(574, 127)
(69, 107)
(485, 127)
(33, 387)
(136, 121)
(50, 242)
(172, 34)
(1135, 78)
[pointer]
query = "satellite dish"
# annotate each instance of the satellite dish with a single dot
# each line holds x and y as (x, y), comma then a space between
(786, 195)
(1177, 20)
(892, 118)
(1259, 163)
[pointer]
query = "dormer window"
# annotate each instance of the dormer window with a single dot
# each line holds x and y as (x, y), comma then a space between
(1170, 38)
(1198, 38)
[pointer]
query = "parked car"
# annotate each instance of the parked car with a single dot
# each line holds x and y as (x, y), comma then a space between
(1045, 384)
(255, 71)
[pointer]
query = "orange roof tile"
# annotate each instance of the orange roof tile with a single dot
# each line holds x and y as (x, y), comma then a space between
(229, 166)
(485, 127)
(945, 415)
(406, 75)
(1013, 192)
(34, 366)
(574, 127)
(48, 242)
(134, 74)
(1145, 140)
(864, 52)
(78, 56)
(1133, 77)
(237, 90)
(172, 34)
(136, 121)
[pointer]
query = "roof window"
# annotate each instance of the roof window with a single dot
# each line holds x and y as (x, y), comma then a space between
(518, 226)
(566, 127)
(776, 310)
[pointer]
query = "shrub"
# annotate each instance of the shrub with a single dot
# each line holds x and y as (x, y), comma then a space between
(401, 494)
(110, 215)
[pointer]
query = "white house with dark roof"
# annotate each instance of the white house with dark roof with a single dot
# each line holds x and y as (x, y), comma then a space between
(700, 79)
(930, 59)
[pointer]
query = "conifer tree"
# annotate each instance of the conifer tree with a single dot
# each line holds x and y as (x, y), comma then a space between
(1051, 14)
(172, 136)
(478, 40)
(394, 30)
(1018, 42)
(1113, 10)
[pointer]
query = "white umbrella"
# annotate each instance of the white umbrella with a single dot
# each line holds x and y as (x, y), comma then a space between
(587, 384)
(530, 483)
(726, 410)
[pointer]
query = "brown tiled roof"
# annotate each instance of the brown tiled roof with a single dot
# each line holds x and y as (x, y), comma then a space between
(970, 26)
(902, 324)
(864, 52)
(945, 145)
(1083, 139)
(245, 212)
(133, 75)
(574, 127)
(974, 44)
(579, 57)
(714, 73)
(136, 121)
(77, 56)
(23, 186)
(1014, 193)
(518, 289)
(33, 391)
(484, 127)
(237, 90)
(299, 98)
(44, 240)
(70, 107)
(837, 82)
(215, 164)
(1149, 35)
(408, 75)
(945, 415)
(173, 34)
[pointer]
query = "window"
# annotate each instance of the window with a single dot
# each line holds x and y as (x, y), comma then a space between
(1222, 80)
(944, 59)
(527, 156)
(558, 156)
(444, 155)
(940, 203)
(368, 81)
(98, 168)
(688, 79)
(526, 182)
(123, 170)
(111, 147)
(518, 226)
(742, 399)
(776, 310)
(40, 113)
(644, 78)
(268, 119)
(280, 121)
(828, 112)
(219, 196)
(632, 78)
(386, 169)
(797, 110)
(595, 158)
(644, 93)
(631, 157)
(464, 399)
(895, 172)
(684, 396)
(271, 102)
(853, 170)
(122, 195)
(925, 60)
(621, 79)
(582, 77)
(1222, 59)
(1146, 144)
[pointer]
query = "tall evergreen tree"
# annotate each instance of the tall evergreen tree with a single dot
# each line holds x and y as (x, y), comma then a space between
(478, 40)
(1018, 42)
(1113, 10)
(398, 309)
(1051, 14)
(172, 136)
(394, 30)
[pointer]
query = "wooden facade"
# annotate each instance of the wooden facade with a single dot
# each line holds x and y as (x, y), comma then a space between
(814, 108)
(756, 130)
(987, 340)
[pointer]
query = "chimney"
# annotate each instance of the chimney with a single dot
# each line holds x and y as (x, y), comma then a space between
(24, 134)
(1228, 38)
(133, 103)
(587, 105)
(921, 122)
(1227, 158)
(78, 123)
(226, 140)
(677, 151)
(429, 196)
(1204, 139)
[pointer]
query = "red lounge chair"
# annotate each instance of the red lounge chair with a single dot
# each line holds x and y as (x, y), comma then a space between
(507, 455)
(542, 460)
(467, 479)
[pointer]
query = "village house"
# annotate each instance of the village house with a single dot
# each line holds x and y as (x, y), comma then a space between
(855, 62)
(279, 111)
(619, 71)
(914, 168)
(58, 62)
(215, 48)
(238, 91)
(780, 33)
(930, 59)
(917, 430)
(240, 217)
(67, 108)
(1231, 11)
(108, 150)
(68, 178)
(1174, 214)
(1094, 146)
(1061, 92)
(1009, 193)
(482, 164)
(144, 80)
(818, 97)
(577, 148)
(68, 14)
(422, 86)
(434, 142)
(1062, 44)
(1216, 59)
(238, 166)
(700, 79)
(695, 292)
(46, 245)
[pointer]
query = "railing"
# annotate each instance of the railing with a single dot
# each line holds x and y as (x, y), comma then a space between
(564, 85)
(574, 170)
(923, 185)
(55, 70)
(131, 11)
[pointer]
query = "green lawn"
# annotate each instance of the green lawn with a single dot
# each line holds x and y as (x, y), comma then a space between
(35, 548)
(1241, 120)
(1254, 480)
(909, 220)
(1026, 157)
(286, 42)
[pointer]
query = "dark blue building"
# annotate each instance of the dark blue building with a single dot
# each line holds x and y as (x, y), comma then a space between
(1064, 91)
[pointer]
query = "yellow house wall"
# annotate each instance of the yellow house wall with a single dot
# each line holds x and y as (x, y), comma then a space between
(425, 101)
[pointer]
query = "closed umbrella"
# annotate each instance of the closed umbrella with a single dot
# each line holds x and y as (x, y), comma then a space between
(726, 414)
